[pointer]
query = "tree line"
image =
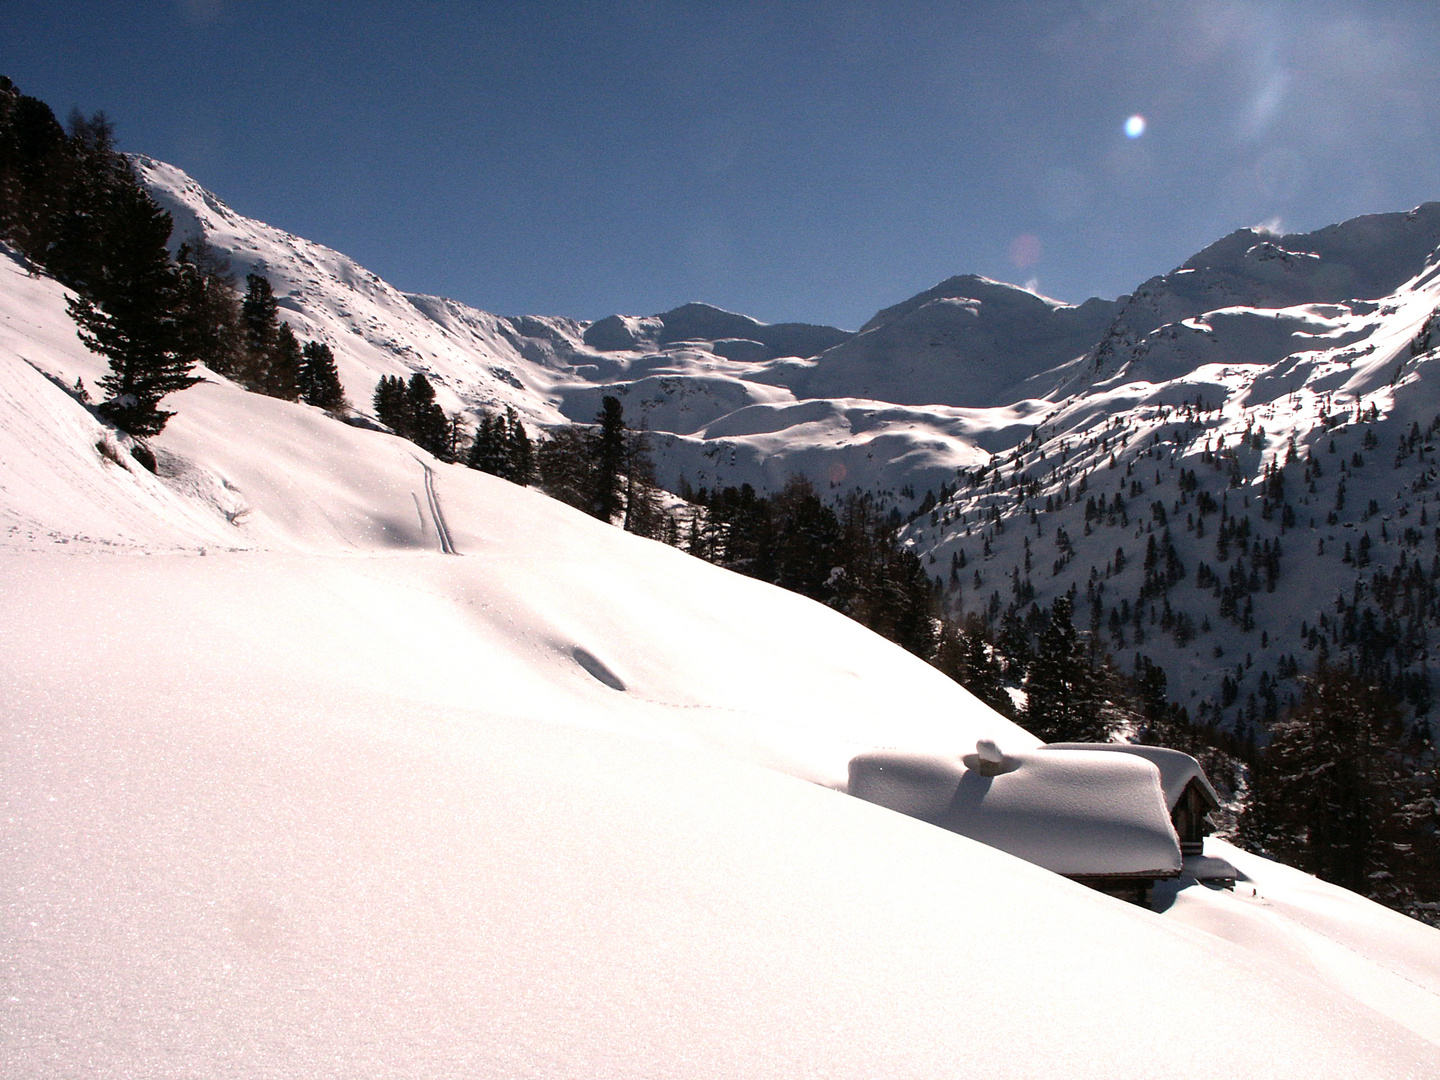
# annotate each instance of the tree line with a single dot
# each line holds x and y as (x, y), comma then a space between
(72, 207)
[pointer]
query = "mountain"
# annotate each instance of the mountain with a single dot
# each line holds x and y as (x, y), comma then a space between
(326, 758)
(677, 373)
(968, 341)
(1255, 356)
(1239, 489)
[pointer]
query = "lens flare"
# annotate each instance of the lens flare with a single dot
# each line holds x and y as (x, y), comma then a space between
(1135, 127)
(1025, 251)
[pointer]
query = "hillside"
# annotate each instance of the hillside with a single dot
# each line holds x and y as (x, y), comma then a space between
(292, 792)
(1256, 423)
(1235, 486)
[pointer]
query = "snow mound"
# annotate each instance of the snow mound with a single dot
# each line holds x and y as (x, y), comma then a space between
(1077, 814)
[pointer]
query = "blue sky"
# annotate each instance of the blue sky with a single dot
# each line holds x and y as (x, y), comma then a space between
(793, 161)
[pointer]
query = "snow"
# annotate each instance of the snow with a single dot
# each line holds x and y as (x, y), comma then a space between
(1328, 935)
(286, 791)
(1071, 812)
(1177, 769)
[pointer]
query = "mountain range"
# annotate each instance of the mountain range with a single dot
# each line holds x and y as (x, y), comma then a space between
(1050, 445)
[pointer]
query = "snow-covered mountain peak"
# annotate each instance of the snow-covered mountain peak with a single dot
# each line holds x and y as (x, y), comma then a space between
(968, 341)
(982, 290)
(710, 325)
(472, 357)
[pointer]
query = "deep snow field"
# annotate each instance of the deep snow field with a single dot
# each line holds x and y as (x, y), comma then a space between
(289, 792)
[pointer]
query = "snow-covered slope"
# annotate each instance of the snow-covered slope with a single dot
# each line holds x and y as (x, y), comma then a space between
(1279, 460)
(290, 792)
(473, 358)
(676, 373)
(968, 341)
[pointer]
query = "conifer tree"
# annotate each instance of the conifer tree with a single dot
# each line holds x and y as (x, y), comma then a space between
(609, 457)
(260, 321)
(521, 451)
(1336, 791)
(282, 374)
(487, 450)
(428, 425)
(566, 467)
(130, 316)
(964, 654)
(97, 184)
(209, 308)
(1062, 700)
(319, 381)
(34, 174)
(390, 404)
(644, 513)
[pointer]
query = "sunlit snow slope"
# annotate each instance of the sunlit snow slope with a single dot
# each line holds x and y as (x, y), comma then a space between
(289, 792)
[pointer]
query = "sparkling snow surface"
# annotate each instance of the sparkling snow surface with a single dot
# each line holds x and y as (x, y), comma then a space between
(288, 793)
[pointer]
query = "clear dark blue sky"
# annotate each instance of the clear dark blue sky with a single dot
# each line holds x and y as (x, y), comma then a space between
(794, 161)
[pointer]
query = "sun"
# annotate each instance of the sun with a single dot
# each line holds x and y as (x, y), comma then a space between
(1135, 126)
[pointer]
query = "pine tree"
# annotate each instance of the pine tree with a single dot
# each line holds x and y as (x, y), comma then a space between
(260, 321)
(319, 378)
(97, 184)
(390, 404)
(521, 451)
(282, 374)
(566, 467)
(34, 174)
(1062, 701)
(807, 538)
(609, 457)
(130, 316)
(1336, 791)
(964, 654)
(429, 427)
(488, 452)
(209, 308)
(644, 514)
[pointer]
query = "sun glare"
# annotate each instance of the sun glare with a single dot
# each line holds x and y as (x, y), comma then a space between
(1135, 126)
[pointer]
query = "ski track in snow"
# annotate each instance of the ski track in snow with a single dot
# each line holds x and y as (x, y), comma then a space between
(437, 516)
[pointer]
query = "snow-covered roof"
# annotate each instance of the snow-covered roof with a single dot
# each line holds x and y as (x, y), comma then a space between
(1075, 813)
(1177, 768)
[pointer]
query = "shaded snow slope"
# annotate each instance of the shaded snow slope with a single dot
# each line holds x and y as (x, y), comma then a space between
(1337, 939)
